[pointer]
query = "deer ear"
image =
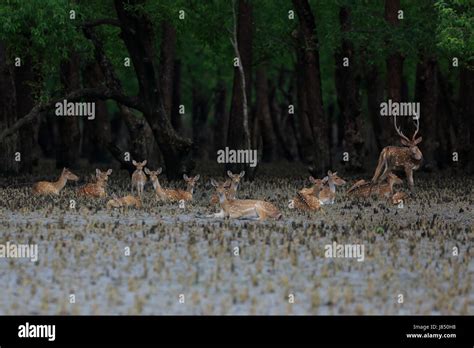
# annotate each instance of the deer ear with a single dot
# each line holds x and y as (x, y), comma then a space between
(159, 170)
(229, 173)
(404, 142)
(147, 171)
(325, 179)
(185, 177)
(196, 178)
(144, 163)
(311, 179)
(213, 183)
(329, 172)
(417, 141)
(134, 162)
(97, 171)
(109, 172)
(242, 173)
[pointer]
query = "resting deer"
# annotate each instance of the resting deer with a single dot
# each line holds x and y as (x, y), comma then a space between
(408, 157)
(170, 194)
(328, 193)
(53, 188)
(308, 198)
(363, 188)
(243, 208)
(138, 177)
(399, 197)
(124, 202)
(232, 190)
(96, 189)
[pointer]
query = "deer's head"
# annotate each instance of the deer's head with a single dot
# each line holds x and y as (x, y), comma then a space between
(153, 173)
(412, 144)
(191, 181)
(221, 187)
(334, 178)
(102, 177)
(139, 165)
(235, 178)
(69, 175)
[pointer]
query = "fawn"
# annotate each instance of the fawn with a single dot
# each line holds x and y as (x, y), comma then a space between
(53, 188)
(232, 190)
(328, 193)
(96, 189)
(308, 198)
(170, 194)
(363, 188)
(408, 157)
(243, 208)
(138, 177)
(124, 202)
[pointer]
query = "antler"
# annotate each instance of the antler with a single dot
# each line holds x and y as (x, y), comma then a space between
(417, 124)
(398, 129)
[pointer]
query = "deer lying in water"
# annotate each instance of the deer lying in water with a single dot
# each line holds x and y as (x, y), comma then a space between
(328, 193)
(408, 157)
(53, 188)
(170, 194)
(96, 189)
(231, 192)
(138, 177)
(243, 208)
(308, 198)
(124, 202)
(366, 189)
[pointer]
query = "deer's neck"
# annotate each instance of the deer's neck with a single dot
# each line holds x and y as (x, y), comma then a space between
(156, 185)
(332, 186)
(190, 188)
(59, 185)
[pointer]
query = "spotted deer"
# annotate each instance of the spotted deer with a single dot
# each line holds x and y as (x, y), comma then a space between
(124, 202)
(243, 208)
(366, 189)
(138, 177)
(231, 192)
(308, 198)
(53, 188)
(170, 194)
(328, 193)
(96, 189)
(407, 157)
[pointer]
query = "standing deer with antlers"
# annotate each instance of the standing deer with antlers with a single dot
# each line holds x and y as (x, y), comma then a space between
(407, 157)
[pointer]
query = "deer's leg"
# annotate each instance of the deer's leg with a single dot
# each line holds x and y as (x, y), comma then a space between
(381, 163)
(409, 174)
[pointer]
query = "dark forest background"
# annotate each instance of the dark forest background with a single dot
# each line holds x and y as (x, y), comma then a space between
(182, 54)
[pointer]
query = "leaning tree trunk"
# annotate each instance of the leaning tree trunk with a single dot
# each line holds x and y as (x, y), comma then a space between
(137, 34)
(426, 93)
(394, 64)
(69, 137)
(312, 85)
(347, 86)
(9, 146)
(238, 136)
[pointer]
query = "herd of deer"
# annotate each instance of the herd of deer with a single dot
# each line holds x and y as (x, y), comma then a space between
(322, 192)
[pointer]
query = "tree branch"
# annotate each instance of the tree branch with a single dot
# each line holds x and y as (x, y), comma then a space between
(102, 93)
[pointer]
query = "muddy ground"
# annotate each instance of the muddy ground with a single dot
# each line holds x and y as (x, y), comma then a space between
(409, 251)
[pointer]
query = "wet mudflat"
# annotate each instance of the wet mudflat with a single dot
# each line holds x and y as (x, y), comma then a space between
(141, 261)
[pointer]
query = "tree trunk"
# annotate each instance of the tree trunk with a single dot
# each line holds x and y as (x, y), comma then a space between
(394, 64)
(312, 84)
(238, 136)
(137, 34)
(167, 61)
(466, 122)
(426, 93)
(263, 116)
(221, 118)
(347, 86)
(200, 130)
(9, 146)
(176, 117)
(25, 76)
(69, 137)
